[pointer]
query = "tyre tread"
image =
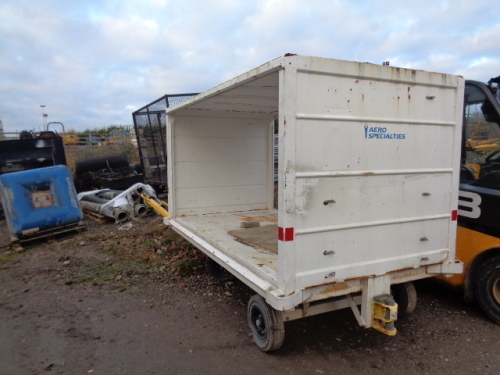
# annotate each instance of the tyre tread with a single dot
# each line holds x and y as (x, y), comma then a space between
(489, 268)
(405, 295)
(274, 323)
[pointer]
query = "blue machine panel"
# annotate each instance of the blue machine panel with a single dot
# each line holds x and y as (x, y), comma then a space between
(39, 199)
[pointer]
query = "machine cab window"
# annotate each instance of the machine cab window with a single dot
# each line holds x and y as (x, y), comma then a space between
(482, 132)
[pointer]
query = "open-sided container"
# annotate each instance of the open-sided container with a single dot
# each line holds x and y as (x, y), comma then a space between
(367, 185)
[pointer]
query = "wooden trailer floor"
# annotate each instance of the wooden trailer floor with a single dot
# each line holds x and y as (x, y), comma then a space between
(254, 247)
(261, 236)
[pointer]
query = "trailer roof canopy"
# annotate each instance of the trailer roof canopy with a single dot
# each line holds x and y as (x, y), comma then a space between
(256, 91)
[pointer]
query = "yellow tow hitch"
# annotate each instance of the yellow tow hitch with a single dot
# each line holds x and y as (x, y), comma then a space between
(384, 314)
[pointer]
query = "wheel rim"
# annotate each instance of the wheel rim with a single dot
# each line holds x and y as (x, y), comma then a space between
(259, 323)
(496, 290)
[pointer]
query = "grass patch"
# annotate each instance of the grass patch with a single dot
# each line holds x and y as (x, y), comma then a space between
(187, 267)
(5, 257)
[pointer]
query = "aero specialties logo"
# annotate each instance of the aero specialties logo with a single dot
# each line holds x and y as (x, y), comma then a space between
(372, 132)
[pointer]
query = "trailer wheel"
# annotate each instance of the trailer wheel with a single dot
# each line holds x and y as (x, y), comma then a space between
(266, 324)
(217, 271)
(405, 296)
(488, 287)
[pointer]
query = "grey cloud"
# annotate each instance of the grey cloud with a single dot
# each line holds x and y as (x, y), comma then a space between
(93, 62)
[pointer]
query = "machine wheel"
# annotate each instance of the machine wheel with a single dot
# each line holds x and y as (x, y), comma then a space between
(216, 270)
(405, 296)
(487, 287)
(266, 324)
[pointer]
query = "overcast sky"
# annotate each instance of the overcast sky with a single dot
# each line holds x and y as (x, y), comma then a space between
(93, 62)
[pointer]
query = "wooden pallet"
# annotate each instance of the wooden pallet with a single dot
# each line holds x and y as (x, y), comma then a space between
(98, 217)
(46, 235)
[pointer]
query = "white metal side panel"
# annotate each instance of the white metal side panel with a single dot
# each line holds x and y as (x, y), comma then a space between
(220, 164)
(374, 172)
(366, 199)
(286, 178)
(343, 147)
(351, 252)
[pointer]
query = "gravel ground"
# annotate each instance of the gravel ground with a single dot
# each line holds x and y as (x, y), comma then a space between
(138, 301)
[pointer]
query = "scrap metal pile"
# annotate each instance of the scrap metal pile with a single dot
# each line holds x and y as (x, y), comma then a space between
(135, 202)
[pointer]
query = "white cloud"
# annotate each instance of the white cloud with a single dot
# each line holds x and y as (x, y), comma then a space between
(92, 62)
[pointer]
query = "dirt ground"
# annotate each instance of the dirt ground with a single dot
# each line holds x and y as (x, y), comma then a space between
(138, 301)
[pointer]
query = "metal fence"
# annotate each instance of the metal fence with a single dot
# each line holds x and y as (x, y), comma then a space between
(119, 136)
(150, 129)
(115, 137)
(7, 136)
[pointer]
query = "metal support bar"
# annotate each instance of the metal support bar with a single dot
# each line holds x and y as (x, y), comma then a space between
(320, 307)
(355, 310)
(159, 206)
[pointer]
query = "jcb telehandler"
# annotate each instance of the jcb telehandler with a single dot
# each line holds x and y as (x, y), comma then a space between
(478, 238)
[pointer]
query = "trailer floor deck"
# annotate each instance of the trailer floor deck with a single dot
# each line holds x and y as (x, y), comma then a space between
(261, 236)
(214, 228)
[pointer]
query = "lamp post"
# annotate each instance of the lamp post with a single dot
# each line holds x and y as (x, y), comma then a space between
(44, 117)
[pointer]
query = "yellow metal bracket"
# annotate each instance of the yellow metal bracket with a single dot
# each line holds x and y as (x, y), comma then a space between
(384, 314)
(159, 206)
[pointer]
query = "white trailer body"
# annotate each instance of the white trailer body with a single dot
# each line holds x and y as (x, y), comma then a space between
(367, 179)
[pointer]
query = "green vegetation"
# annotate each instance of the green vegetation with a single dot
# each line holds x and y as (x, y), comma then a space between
(5, 257)
(187, 267)
(103, 130)
(106, 271)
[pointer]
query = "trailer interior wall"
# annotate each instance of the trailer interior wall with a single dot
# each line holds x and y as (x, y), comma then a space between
(222, 163)
(368, 170)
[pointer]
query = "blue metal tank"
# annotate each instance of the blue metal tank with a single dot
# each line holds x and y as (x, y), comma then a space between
(39, 199)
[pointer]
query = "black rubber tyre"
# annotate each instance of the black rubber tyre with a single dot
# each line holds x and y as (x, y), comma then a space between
(216, 270)
(266, 324)
(96, 164)
(83, 183)
(405, 296)
(138, 168)
(487, 287)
